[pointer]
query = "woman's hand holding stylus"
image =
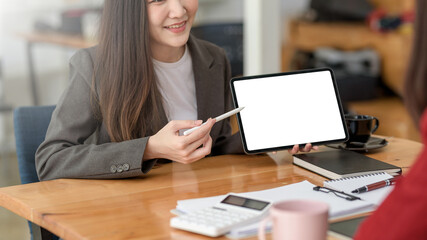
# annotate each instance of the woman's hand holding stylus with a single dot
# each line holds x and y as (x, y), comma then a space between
(168, 144)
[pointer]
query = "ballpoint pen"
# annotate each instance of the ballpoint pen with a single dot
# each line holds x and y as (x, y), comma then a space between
(219, 118)
(376, 185)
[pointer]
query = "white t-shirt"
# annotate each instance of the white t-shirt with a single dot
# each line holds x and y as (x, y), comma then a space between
(177, 86)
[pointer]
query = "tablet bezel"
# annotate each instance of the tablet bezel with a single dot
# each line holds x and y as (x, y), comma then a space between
(239, 120)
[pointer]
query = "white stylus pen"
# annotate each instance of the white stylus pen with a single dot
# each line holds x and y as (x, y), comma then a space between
(219, 118)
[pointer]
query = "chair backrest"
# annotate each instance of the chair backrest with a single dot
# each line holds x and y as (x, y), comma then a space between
(30, 125)
(229, 36)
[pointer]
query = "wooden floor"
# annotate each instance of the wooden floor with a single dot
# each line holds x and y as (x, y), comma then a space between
(12, 227)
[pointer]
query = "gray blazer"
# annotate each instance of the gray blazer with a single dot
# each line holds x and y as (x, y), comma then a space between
(77, 145)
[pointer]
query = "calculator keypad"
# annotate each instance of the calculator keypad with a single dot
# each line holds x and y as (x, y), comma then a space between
(211, 221)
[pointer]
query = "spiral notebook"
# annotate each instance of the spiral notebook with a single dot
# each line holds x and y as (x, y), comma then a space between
(348, 184)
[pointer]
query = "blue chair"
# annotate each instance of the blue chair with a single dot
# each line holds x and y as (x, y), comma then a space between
(30, 125)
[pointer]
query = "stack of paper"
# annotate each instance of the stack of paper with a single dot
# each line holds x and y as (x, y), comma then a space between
(302, 190)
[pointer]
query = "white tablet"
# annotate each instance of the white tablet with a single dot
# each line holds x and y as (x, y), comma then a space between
(285, 109)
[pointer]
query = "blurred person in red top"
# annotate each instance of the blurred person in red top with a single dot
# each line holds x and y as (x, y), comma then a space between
(403, 214)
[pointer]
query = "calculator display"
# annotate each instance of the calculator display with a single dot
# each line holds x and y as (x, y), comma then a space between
(245, 202)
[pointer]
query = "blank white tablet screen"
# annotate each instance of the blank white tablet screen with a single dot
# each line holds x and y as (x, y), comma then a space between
(289, 109)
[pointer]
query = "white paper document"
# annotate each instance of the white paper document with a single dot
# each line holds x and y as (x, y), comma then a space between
(302, 190)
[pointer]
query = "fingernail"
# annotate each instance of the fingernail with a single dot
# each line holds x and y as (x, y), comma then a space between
(197, 122)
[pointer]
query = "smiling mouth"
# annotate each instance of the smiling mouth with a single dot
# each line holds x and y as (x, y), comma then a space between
(176, 25)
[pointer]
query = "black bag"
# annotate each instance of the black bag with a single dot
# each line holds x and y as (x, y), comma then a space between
(340, 10)
(357, 72)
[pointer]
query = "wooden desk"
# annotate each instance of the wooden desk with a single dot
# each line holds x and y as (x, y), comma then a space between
(139, 208)
(57, 39)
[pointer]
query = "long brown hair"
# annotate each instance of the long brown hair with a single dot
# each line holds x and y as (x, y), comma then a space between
(416, 78)
(128, 97)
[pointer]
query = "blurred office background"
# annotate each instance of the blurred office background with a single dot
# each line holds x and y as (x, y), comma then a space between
(366, 42)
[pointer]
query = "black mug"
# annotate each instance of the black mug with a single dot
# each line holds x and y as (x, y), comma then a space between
(360, 127)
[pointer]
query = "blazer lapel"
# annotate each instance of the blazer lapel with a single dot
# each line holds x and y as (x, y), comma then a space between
(207, 79)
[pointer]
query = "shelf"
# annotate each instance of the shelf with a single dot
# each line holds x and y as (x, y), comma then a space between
(394, 51)
(393, 48)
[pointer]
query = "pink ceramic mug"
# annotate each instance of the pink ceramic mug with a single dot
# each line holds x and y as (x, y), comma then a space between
(297, 220)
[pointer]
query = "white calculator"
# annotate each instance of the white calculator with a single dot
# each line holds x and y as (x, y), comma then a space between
(233, 211)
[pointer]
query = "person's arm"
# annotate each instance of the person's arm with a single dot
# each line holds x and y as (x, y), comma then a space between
(76, 145)
(402, 214)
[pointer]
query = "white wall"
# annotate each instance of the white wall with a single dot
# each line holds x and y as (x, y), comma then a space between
(262, 37)
(265, 30)
(292, 9)
(51, 62)
(1, 28)
(220, 11)
(19, 16)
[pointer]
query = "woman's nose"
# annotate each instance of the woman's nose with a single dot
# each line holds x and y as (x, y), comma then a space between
(176, 9)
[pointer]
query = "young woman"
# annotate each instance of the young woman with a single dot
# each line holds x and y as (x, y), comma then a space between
(403, 213)
(131, 95)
